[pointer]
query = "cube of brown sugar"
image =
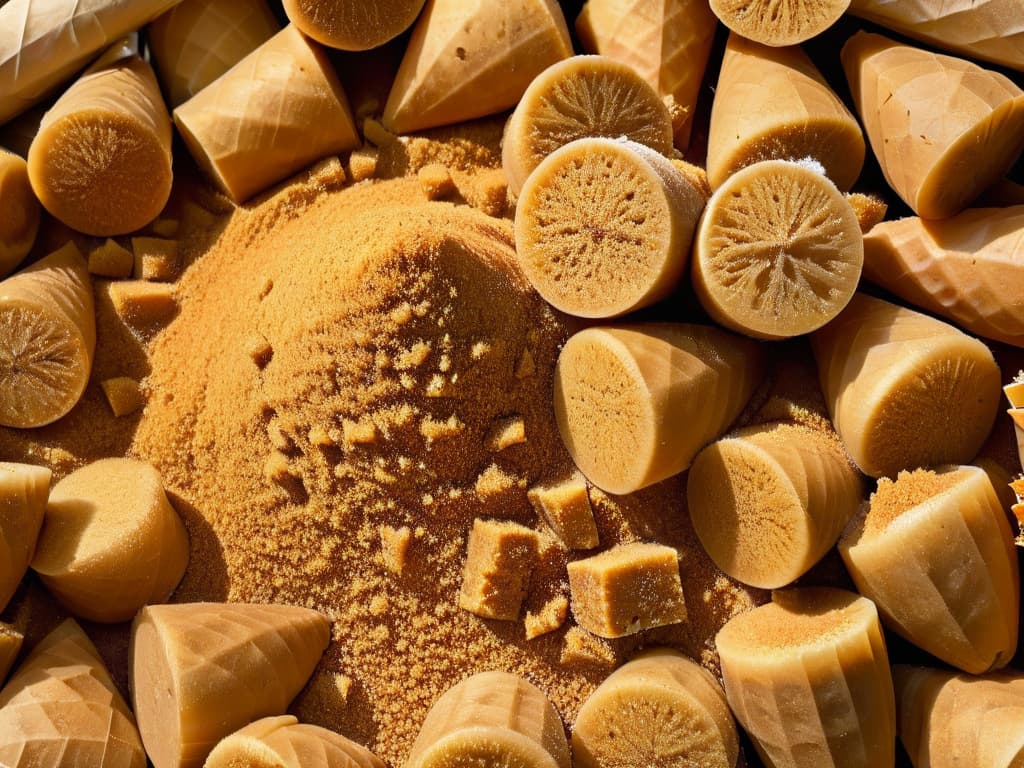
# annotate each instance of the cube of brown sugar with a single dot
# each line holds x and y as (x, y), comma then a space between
(155, 258)
(499, 561)
(436, 181)
(362, 164)
(627, 589)
(565, 506)
(111, 260)
(488, 192)
(142, 304)
(124, 395)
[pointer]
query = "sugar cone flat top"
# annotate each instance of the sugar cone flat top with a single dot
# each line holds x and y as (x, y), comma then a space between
(353, 25)
(779, 22)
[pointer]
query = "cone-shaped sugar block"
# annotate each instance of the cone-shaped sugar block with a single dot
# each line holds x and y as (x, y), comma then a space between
(111, 541)
(934, 551)
(201, 671)
(779, 22)
(773, 104)
(768, 502)
(664, 390)
(905, 390)
(24, 489)
(47, 339)
(284, 742)
(969, 268)
(659, 709)
(667, 42)
(352, 25)
(197, 41)
(19, 212)
(807, 676)
(943, 129)
(10, 646)
(470, 59)
(272, 114)
(948, 720)
(991, 30)
(62, 710)
(101, 162)
(492, 718)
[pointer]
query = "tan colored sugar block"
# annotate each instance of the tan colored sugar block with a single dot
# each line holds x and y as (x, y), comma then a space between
(111, 260)
(47, 339)
(201, 671)
(352, 25)
(779, 22)
(19, 212)
(969, 268)
(578, 98)
(630, 243)
(943, 129)
(124, 395)
(582, 649)
(935, 553)
(659, 709)
(627, 589)
(10, 646)
(774, 104)
(44, 42)
(767, 502)
(155, 259)
(362, 164)
(141, 304)
(807, 676)
(665, 390)
(197, 41)
(491, 718)
(668, 42)
(948, 719)
(61, 709)
(110, 131)
(467, 60)
(488, 192)
(500, 558)
(111, 541)
(549, 618)
(565, 506)
(279, 109)
(284, 742)
(992, 30)
(436, 181)
(24, 489)
(870, 210)
(905, 390)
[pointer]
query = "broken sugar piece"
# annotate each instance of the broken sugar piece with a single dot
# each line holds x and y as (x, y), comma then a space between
(24, 489)
(500, 558)
(549, 618)
(565, 506)
(155, 259)
(10, 646)
(494, 481)
(580, 648)
(436, 181)
(141, 304)
(111, 260)
(394, 547)
(488, 192)
(284, 742)
(362, 164)
(328, 174)
(506, 433)
(627, 589)
(124, 395)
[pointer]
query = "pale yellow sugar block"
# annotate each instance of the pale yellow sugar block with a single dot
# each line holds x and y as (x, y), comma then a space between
(10, 646)
(627, 589)
(506, 433)
(141, 304)
(200, 671)
(394, 547)
(19, 212)
(565, 506)
(436, 181)
(550, 617)
(168, 228)
(580, 648)
(124, 395)
(111, 260)
(61, 708)
(500, 557)
(352, 25)
(24, 489)
(111, 541)
(284, 742)
(491, 719)
(155, 259)
(362, 164)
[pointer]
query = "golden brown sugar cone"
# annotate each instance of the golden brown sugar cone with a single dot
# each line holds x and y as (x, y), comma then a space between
(948, 720)
(19, 212)
(582, 97)
(659, 709)
(969, 269)
(284, 742)
(24, 489)
(807, 676)
(275, 112)
(467, 60)
(491, 719)
(918, 531)
(62, 710)
(992, 30)
(197, 41)
(44, 42)
(201, 671)
(905, 390)
(47, 339)
(768, 502)
(352, 25)
(666, 41)
(773, 104)
(664, 389)
(943, 129)
(779, 22)
(10, 646)
(778, 251)
(625, 247)
(111, 541)
(101, 162)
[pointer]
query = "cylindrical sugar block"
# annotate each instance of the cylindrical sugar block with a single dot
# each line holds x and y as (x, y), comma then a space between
(352, 25)
(19, 212)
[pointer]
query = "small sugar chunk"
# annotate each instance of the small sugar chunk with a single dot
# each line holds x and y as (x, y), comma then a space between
(277, 469)
(436, 181)
(155, 259)
(362, 432)
(261, 352)
(124, 395)
(580, 648)
(488, 192)
(141, 304)
(111, 260)
(506, 433)
(328, 174)
(494, 481)
(565, 506)
(362, 164)
(394, 547)
(500, 558)
(547, 619)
